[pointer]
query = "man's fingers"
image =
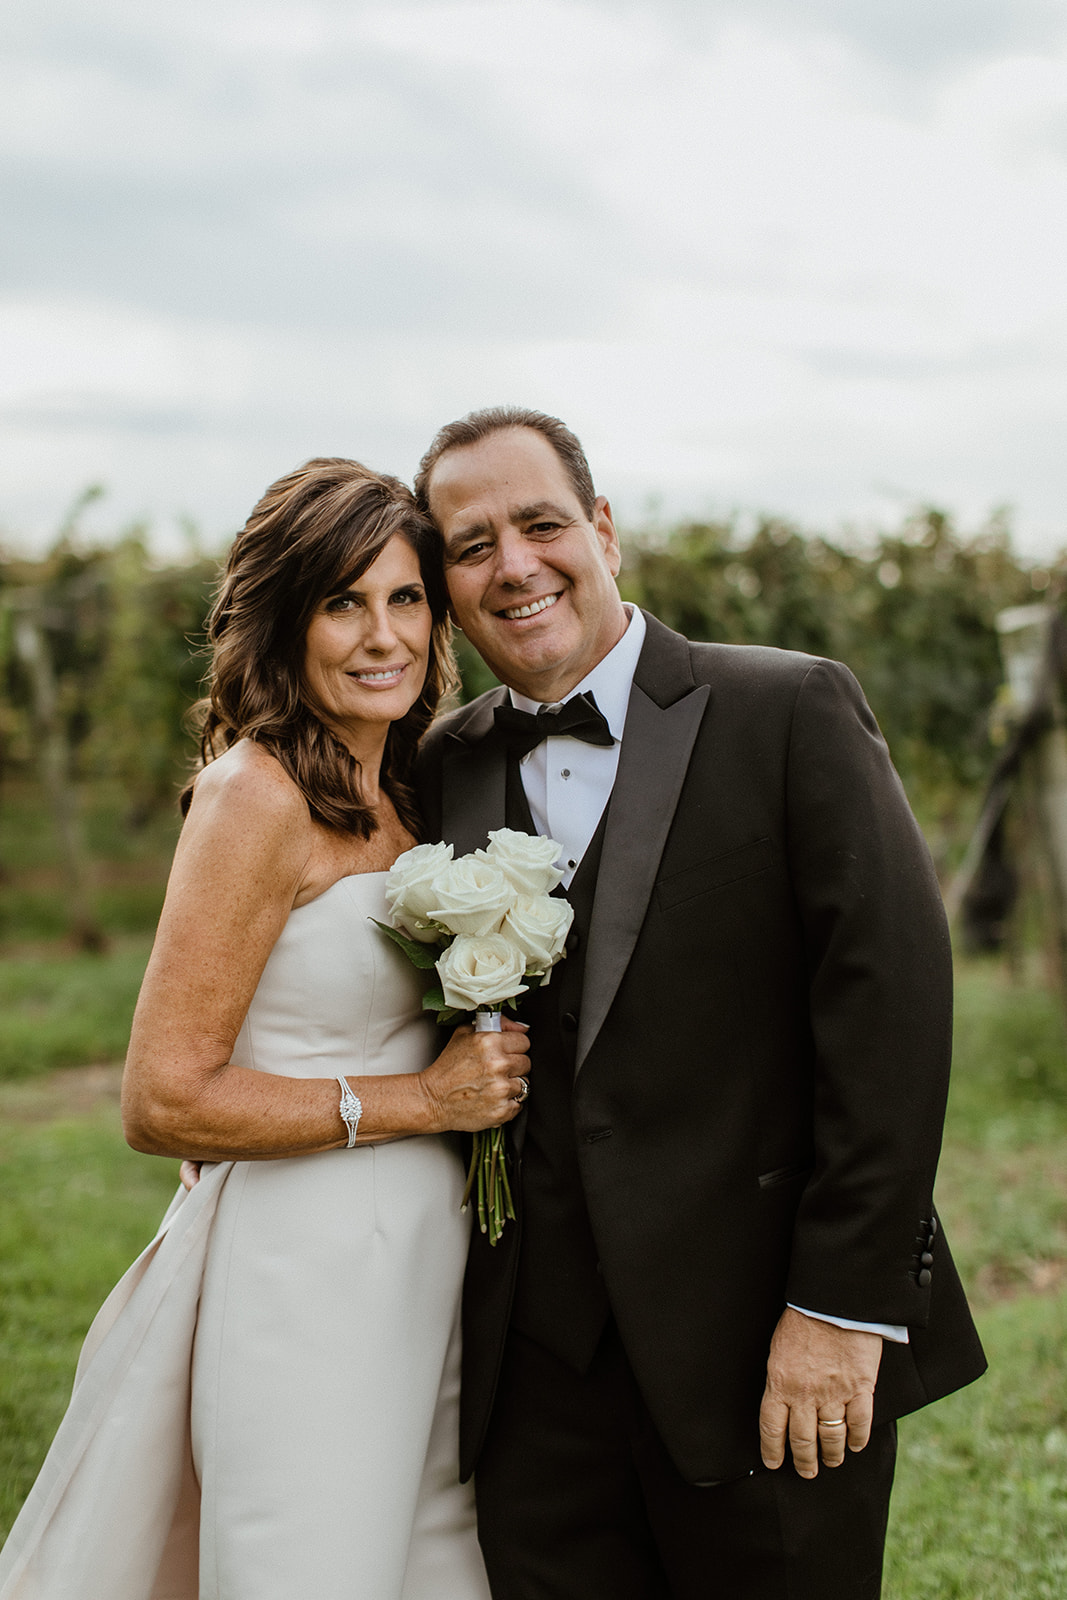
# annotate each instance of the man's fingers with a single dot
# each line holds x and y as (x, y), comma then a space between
(833, 1436)
(860, 1417)
(823, 1378)
(804, 1440)
(773, 1423)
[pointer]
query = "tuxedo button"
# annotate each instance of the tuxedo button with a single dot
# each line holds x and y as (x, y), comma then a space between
(569, 1022)
(926, 1259)
(924, 1278)
(574, 939)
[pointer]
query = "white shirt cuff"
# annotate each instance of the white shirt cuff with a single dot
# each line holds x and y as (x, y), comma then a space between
(888, 1330)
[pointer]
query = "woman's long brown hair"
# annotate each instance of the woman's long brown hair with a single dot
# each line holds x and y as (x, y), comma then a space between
(312, 534)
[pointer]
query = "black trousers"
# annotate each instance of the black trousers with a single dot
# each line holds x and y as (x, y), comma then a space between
(578, 1500)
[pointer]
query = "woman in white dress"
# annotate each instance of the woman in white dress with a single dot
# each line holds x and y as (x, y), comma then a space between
(266, 1405)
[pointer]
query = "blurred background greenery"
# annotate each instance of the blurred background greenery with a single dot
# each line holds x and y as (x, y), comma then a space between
(100, 659)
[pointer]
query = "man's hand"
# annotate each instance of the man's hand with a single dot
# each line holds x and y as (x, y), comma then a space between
(189, 1174)
(818, 1376)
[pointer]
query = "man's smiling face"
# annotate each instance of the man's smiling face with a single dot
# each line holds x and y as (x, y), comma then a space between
(530, 576)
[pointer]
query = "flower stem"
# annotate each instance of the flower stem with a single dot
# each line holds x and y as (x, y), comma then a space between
(480, 1139)
(488, 1182)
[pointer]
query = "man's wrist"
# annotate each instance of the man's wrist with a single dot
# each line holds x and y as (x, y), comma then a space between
(894, 1332)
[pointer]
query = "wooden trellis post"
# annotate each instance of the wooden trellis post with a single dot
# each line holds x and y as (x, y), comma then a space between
(1032, 769)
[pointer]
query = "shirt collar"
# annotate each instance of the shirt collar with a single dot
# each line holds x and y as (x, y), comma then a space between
(610, 680)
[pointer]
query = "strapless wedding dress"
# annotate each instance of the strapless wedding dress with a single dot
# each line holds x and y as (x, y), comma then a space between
(266, 1406)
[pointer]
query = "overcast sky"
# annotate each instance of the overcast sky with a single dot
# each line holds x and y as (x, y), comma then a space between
(798, 256)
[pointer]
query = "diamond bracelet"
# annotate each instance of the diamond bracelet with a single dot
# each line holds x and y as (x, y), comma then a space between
(351, 1109)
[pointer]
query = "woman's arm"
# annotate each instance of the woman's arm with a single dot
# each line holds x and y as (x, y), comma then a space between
(241, 862)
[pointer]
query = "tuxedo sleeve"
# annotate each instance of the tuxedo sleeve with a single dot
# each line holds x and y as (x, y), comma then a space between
(880, 997)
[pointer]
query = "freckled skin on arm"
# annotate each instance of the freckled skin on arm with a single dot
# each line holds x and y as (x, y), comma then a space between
(248, 853)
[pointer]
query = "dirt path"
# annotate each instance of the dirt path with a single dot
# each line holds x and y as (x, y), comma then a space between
(73, 1091)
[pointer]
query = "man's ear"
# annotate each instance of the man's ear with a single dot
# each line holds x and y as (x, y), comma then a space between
(604, 524)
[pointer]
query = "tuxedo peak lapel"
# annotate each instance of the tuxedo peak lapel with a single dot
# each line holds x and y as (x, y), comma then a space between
(473, 776)
(656, 746)
(665, 667)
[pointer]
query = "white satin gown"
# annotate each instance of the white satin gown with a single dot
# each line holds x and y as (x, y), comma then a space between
(266, 1406)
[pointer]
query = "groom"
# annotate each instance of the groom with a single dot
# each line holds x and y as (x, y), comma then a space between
(727, 1278)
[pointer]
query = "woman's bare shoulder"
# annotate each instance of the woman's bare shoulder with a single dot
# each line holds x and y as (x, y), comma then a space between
(247, 808)
(247, 776)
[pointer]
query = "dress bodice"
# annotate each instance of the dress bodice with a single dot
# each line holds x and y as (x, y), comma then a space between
(336, 995)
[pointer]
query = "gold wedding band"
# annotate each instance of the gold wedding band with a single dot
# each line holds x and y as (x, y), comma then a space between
(523, 1092)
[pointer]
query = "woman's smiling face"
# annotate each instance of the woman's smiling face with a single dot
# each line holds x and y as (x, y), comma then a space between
(367, 648)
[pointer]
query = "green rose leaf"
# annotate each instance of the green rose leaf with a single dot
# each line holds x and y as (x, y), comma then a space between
(423, 956)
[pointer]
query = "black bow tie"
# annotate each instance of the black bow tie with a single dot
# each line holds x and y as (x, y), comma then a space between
(580, 717)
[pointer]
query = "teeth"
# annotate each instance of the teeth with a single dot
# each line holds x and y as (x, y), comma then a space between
(532, 609)
(377, 677)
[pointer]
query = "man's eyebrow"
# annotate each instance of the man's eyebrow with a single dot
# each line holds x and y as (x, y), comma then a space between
(520, 514)
(471, 530)
(542, 508)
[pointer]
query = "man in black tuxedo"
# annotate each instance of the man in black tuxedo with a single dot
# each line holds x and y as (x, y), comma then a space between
(683, 1362)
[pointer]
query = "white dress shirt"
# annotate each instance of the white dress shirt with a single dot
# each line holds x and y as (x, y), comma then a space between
(568, 783)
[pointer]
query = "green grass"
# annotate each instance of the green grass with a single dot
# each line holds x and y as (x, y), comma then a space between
(126, 865)
(1010, 1059)
(41, 913)
(79, 1205)
(1002, 1185)
(29, 838)
(980, 1507)
(66, 1010)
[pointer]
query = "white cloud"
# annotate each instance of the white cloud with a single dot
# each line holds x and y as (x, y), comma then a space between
(757, 254)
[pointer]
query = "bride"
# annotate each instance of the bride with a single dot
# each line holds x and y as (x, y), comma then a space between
(266, 1405)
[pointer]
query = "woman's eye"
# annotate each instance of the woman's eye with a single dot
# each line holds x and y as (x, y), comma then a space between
(407, 597)
(340, 603)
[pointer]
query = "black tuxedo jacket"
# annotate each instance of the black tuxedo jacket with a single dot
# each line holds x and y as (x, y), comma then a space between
(763, 1042)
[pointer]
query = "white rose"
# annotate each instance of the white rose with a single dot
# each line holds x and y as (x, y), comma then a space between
(527, 860)
(539, 924)
(408, 889)
(481, 971)
(470, 896)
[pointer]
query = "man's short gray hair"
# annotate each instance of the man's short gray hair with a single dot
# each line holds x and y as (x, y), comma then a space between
(497, 419)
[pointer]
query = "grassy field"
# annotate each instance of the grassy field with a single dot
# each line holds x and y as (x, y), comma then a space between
(60, 1007)
(65, 1010)
(79, 1205)
(980, 1509)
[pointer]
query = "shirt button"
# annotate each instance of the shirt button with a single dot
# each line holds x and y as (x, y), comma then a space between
(566, 772)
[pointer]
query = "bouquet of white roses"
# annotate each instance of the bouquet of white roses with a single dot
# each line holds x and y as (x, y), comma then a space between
(486, 921)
